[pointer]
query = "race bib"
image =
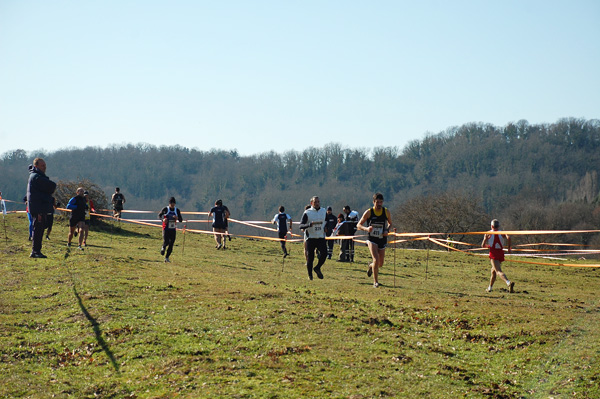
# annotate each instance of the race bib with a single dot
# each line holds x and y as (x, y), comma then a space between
(171, 224)
(317, 226)
(377, 231)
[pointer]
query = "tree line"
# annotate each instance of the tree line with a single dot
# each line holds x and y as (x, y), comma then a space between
(510, 172)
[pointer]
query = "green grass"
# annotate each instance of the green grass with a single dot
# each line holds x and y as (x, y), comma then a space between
(114, 321)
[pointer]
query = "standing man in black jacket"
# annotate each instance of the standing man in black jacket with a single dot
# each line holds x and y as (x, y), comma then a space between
(39, 198)
(330, 223)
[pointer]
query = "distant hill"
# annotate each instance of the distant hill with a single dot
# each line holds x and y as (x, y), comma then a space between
(519, 162)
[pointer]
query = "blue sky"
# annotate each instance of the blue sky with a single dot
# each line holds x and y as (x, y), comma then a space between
(258, 76)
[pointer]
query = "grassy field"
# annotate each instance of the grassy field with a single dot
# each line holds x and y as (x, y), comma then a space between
(115, 321)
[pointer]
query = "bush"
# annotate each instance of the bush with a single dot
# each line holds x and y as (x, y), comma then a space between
(449, 212)
(65, 190)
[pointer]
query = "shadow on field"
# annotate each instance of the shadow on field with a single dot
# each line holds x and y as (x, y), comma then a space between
(117, 231)
(95, 327)
(237, 267)
(160, 260)
(96, 246)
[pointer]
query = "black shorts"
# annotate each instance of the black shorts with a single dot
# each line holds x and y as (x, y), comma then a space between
(380, 242)
(169, 234)
(73, 221)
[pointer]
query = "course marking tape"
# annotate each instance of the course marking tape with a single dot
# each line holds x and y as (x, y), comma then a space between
(517, 261)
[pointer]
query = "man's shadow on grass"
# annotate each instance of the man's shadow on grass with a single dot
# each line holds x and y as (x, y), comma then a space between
(95, 327)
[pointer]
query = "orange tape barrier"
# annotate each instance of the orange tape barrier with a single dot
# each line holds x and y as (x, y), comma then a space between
(522, 232)
(440, 243)
(400, 237)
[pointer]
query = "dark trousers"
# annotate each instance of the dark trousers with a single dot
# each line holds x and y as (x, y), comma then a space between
(282, 236)
(320, 245)
(345, 251)
(169, 240)
(39, 224)
(329, 247)
(351, 250)
(30, 225)
(49, 222)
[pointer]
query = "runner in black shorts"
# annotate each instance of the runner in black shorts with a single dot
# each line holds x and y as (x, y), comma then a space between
(220, 214)
(117, 199)
(169, 215)
(77, 206)
(378, 223)
(282, 220)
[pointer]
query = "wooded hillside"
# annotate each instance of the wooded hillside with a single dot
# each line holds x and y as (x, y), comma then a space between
(506, 169)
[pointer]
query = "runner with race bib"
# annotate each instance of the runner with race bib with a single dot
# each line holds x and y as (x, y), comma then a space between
(378, 223)
(169, 215)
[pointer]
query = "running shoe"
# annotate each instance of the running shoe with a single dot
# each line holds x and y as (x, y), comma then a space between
(375, 285)
(37, 255)
(511, 287)
(318, 272)
(162, 251)
(369, 271)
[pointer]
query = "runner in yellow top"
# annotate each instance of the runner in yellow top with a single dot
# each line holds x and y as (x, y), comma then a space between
(379, 222)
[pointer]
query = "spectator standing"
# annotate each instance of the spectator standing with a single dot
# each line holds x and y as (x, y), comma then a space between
(39, 200)
(330, 223)
(352, 219)
(341, 229)
(28, 213)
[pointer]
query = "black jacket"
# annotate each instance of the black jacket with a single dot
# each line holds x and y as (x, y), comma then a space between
(330, 223)
(39, 192)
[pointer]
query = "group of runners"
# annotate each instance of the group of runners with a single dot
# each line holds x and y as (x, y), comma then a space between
(375, 221)
(316, 223)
